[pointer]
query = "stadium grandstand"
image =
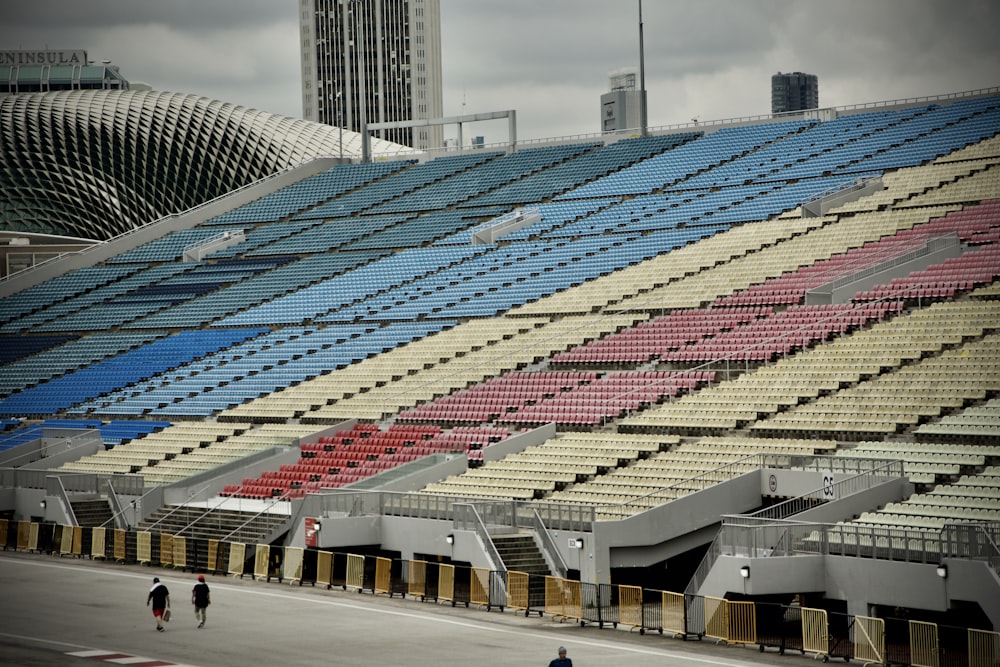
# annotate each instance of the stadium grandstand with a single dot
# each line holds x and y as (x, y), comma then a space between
(738, 363)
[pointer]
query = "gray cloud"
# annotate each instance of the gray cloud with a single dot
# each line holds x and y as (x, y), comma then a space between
(550, 60)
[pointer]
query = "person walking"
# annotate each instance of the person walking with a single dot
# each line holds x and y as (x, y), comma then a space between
(562, 660)
(159, 597)
(201, 598)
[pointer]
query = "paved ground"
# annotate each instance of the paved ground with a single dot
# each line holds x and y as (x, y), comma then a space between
(53, 609)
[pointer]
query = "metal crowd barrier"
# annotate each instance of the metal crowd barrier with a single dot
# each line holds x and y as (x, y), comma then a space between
(823, 633)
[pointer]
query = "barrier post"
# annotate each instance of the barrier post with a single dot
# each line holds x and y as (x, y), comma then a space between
(33, 529)
(237, 554)
(416, 582)
(717, 619)
(97, 545)
(179, 552)
(66, 540)
(355, 572)
(324, 569)
(924, 644)
(815, 632)
(77, 532)
(23, 532)
(383, 575)
(262, 558)
(673, 614)
(144, 547)
(517, 590)
(291, 567)
(630, 606)
(166, 549)
(984, 648)
(479, 586)
(446, 583)
(868, 640)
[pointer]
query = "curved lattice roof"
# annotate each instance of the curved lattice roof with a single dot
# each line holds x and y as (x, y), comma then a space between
(97, 163)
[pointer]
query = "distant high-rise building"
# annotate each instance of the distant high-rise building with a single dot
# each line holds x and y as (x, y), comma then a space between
(794, 92)
(381, 58)
(46, 71)
(622, 105)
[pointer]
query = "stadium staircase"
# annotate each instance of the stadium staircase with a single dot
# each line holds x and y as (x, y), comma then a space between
(520, 554)
(216, 524)
(93, 513)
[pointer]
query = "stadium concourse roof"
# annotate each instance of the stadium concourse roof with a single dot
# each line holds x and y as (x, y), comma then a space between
(98, 163)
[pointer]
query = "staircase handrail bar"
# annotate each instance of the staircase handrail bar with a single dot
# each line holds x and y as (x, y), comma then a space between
(177, 507)
(274, 501)
(116, 508)
(548, 545)
(467, 518)
(60, 492)
(930, 246)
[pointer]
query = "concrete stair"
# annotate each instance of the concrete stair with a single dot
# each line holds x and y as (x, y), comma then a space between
(93, 513)
(215, 524)
(520, 553)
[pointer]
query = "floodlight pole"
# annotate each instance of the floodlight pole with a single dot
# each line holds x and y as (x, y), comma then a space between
(643, 130)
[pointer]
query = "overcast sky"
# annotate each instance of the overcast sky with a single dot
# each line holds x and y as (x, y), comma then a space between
(550, 59)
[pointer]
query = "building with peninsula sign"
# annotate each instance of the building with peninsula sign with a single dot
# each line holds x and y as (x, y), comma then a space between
(35, 71)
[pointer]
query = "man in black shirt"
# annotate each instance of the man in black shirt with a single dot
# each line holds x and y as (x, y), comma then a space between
(159, 596)
(200, 599)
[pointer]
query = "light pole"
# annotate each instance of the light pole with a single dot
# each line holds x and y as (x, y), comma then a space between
(340, 123)
(643, 130)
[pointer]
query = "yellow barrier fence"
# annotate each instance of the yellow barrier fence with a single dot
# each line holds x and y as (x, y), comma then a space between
(180, 552)
(673, 613)
(355, 572)
(213, 556)
(716, 618)
(868, 640)
(3, 533)
(119, 544)
(815, 632)
(517, 590)
(383, 575)
(630, 606)
(262, 555)
(562, 598)
(23, 534)
(324, 568)
(33, 537)
(291, 567)
(742, 622)
(77, 541)
(237, 554)
(166, 549)
(446, 583)
(923, 644)
(97, 542)
(144, 547)
(65, 540)
(984, 648)
(479, 586)
(416, 582)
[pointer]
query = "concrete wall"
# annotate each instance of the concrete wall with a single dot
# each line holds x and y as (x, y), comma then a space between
(653, 536)
(843, 293)
(54, 448)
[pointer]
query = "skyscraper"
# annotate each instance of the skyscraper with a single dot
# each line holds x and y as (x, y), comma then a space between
(376, 58)
(794, 92)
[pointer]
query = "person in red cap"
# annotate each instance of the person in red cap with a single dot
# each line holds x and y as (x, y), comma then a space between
(200, 598)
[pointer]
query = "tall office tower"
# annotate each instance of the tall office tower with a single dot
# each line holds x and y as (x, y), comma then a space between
(794, 92)
(376, 58)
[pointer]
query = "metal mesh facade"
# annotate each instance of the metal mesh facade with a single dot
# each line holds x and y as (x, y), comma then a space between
(97, 163)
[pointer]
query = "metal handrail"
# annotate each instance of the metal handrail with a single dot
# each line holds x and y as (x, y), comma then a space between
(61, 493)
(467, 518)
(549, 547)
